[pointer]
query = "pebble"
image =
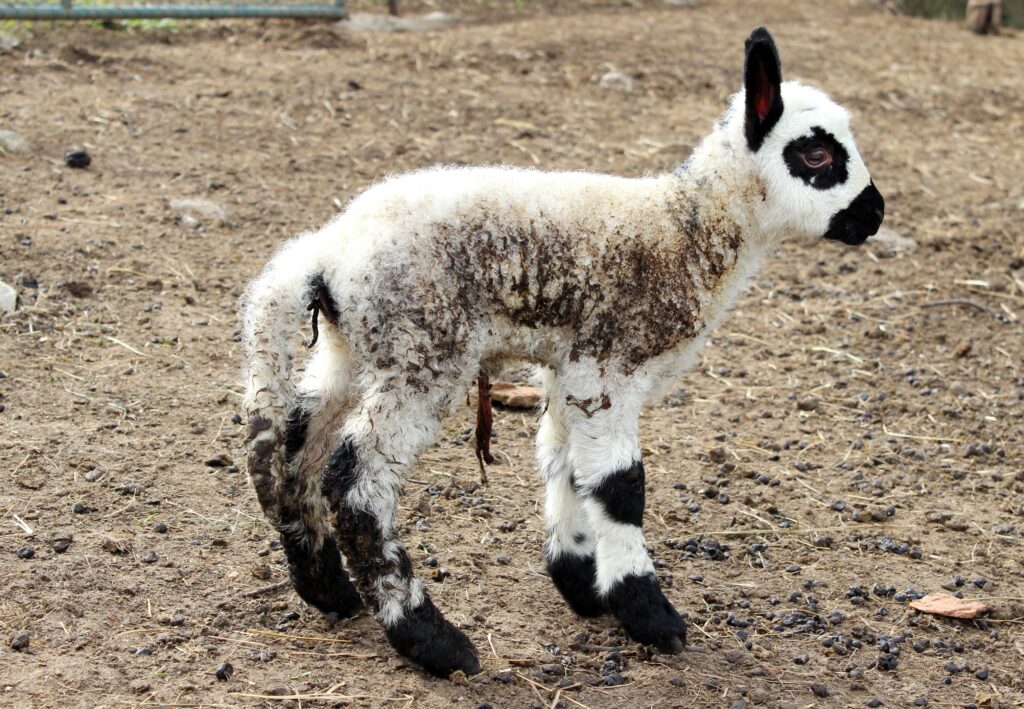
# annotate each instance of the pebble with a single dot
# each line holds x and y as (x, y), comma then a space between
(149, 558)
(78, 159)
(79, 509)
(20, 641)
(26, 552)
(262, 572)
(981, 674)
(61, 544)
(808, 403)
(197, 209)
(13, 143)
(8, 299)
(616, 81)
(160, 528)
(225, 671)
(93, 475)
(819, 690)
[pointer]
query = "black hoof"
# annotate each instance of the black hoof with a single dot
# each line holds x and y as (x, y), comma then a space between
(646, 615)
(426, 638)
(574, 577)
(320, 579)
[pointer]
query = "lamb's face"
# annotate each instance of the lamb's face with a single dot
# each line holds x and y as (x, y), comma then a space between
(816, 183)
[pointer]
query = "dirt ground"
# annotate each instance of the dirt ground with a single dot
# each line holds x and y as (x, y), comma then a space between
(851, 437)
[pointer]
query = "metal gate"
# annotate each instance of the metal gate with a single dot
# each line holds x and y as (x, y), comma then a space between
(114, 10)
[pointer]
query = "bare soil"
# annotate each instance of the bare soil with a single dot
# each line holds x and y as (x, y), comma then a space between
(856, 422)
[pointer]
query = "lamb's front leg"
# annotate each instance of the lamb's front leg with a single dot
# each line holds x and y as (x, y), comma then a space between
(569, 548)
(610, 481)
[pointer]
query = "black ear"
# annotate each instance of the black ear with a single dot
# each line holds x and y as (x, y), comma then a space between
(762, 79)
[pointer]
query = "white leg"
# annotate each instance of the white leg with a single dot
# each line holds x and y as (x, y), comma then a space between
(605, 455)
(570, 545)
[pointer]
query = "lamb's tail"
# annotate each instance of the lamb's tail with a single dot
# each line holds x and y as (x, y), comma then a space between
(272, 309)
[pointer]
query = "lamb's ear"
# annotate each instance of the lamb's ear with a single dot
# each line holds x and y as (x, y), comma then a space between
(762, 80)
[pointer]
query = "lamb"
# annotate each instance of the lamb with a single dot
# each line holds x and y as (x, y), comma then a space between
(610, 285)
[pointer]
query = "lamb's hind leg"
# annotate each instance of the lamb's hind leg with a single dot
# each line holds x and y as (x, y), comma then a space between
(362, 480)
(314, 562)
(570, 545)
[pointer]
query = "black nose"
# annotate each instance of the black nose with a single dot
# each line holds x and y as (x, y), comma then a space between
(860, 219)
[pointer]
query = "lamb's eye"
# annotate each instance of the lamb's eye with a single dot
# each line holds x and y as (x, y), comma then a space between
(817, 158)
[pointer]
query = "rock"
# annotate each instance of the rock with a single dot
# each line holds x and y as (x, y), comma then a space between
(20, 642)
(193, 212)
(61, 544)
(225, 671)
(78, 289)
(516, 396)
(8, 299)
(371, 22)
(26, 280)
(963, 348)
(93, 475)
(262, 572)
(809, 403)
(26, 552)
(616, 81)
(893, 239)
(13, 143)
(77, 159)
(116, 547)
(149, 558)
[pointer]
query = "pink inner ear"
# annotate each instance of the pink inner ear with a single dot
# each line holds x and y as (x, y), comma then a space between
(765, 94)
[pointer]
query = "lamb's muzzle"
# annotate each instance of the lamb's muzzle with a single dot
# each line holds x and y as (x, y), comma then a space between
(610, 285)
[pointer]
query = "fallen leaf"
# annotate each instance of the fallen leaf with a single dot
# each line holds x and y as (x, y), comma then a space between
(516, 396)
(950, 606)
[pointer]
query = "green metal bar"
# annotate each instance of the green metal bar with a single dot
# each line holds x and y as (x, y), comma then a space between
(126, 12)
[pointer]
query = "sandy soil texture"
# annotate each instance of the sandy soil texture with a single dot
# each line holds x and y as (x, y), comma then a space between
(850, 439)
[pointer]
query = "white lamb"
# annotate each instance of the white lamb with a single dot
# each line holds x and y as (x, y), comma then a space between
(610, 285)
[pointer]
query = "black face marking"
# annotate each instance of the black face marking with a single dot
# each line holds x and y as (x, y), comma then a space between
(622, 494)
(822, 178)
(318, 576)
(574, 577)
(646, 615)
(860, 220)
(762, 80)
(426, 638)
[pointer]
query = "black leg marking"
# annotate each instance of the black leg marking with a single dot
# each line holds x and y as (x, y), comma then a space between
(318, 576)
(421, 634)
(646, 614)
(426, 638)
(575, 578)
(296, 428)
(622, 494)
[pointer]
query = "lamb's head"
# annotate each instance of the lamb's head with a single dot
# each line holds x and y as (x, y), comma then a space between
(815, 182)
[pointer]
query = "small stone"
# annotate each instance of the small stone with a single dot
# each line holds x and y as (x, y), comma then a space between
(78, 159)
(79, 508)
(893, 239)
(61, 544)
(26, 552)
(149, 558)
(262, 572)
(20, 641)
(8, 299)
(981, 674)
(160, 528)
(225, 671)
(616, 81)
(808, 403)
(13, 143)
(819, 690)
(198, 210)
(116, 546)
(93, 475)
